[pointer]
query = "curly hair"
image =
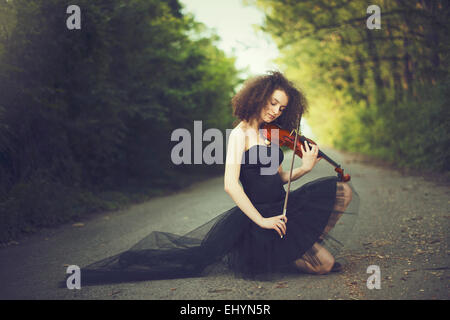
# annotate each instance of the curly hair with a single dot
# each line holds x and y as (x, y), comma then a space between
(256, 92)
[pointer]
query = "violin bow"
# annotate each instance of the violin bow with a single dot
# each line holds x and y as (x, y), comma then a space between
(292, 165)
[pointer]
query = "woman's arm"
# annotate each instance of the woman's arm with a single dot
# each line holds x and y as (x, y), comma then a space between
(235, 150)
(296, 174)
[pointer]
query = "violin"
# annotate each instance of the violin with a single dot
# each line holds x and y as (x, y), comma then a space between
(287, 139)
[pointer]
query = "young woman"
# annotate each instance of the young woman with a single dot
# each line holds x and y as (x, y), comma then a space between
(253, 238)
(314, 209)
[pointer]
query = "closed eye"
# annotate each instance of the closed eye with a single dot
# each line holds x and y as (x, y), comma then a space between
(281, 108)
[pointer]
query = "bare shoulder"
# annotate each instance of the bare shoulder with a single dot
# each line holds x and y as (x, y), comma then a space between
(239, 132)
(236, 145)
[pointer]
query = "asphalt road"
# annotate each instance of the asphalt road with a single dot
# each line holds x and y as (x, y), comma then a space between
(402, 228)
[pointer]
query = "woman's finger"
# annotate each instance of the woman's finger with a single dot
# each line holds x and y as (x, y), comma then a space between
(277, 229)
(282, 226)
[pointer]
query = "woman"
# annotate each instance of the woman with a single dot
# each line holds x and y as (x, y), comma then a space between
(252, 238)
(273, 98)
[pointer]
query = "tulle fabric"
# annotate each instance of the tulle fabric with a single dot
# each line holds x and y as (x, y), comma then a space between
(314, 216)
(316, 213)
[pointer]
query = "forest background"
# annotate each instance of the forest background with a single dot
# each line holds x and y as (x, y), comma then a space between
(86, 117)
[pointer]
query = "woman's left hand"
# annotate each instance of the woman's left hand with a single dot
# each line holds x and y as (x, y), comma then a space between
(309, 159)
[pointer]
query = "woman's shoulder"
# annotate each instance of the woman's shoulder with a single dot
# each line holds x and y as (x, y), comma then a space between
(240, 129)
(238, 135)
(240, 125)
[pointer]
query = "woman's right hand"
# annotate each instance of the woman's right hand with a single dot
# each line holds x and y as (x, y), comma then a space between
(278, 223)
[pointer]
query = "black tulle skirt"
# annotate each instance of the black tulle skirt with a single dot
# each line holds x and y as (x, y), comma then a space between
(316, 213)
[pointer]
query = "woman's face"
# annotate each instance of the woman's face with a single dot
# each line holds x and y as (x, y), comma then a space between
(275, 106)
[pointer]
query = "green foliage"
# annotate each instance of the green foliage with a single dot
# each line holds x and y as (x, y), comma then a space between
(88, 113)
(379, 92)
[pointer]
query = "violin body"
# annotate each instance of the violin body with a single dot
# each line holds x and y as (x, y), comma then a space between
(287, 139)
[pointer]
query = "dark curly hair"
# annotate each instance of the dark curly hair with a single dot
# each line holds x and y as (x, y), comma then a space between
(256, 92)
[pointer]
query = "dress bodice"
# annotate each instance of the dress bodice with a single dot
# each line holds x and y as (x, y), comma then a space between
(259, 173)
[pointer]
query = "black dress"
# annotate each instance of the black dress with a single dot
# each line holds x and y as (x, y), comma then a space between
(236, 241)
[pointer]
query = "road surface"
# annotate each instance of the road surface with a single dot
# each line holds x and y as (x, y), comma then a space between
(402, 228)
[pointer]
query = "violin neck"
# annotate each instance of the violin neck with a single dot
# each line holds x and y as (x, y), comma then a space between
(323, 155)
